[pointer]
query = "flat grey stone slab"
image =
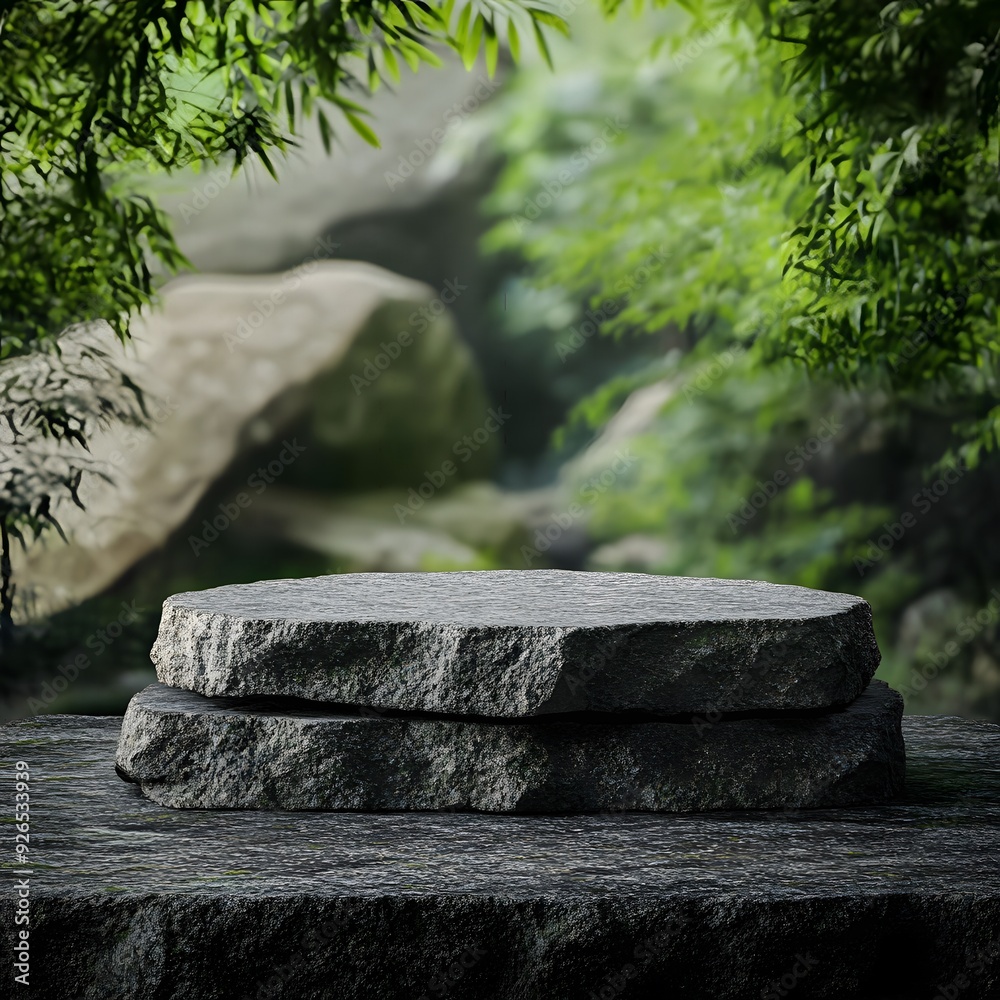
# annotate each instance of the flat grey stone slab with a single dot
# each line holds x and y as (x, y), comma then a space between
(188, 751)
(513, 643)
(128, 899)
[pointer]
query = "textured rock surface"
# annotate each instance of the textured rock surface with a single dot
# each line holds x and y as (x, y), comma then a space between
(188, 751)
(521, 642)
(129, 899)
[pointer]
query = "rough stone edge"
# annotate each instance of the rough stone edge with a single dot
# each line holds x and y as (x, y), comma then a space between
(582, 680)
(176, 746)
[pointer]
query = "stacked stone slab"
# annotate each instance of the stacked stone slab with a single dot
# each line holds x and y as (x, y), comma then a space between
(536, 691)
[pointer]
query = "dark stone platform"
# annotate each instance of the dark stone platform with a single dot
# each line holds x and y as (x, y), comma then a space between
(131, 900)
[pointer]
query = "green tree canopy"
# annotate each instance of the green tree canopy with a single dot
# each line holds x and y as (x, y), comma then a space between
(838, 203)
(821, 180)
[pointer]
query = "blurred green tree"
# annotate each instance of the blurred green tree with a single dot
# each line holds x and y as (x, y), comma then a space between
(839, 205)
(822, 180)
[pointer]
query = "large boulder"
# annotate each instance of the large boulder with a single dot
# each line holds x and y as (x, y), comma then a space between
(337, 374)
(387, 531)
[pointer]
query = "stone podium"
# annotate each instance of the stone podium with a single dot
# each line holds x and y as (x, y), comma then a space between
(470, 786)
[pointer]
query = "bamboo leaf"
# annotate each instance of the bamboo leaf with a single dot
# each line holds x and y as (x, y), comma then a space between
(363, 129)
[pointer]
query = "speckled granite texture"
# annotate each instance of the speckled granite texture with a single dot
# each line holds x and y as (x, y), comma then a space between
(514, 643)
(131, 900)
(188, 751)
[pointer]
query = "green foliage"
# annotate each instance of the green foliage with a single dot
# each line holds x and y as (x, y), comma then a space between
(94, 92)
(828, 212)
(803, 184)
(901, 144)
(824, 178)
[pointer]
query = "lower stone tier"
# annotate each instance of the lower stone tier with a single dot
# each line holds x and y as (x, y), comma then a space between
(127, 899)
(188, 751)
